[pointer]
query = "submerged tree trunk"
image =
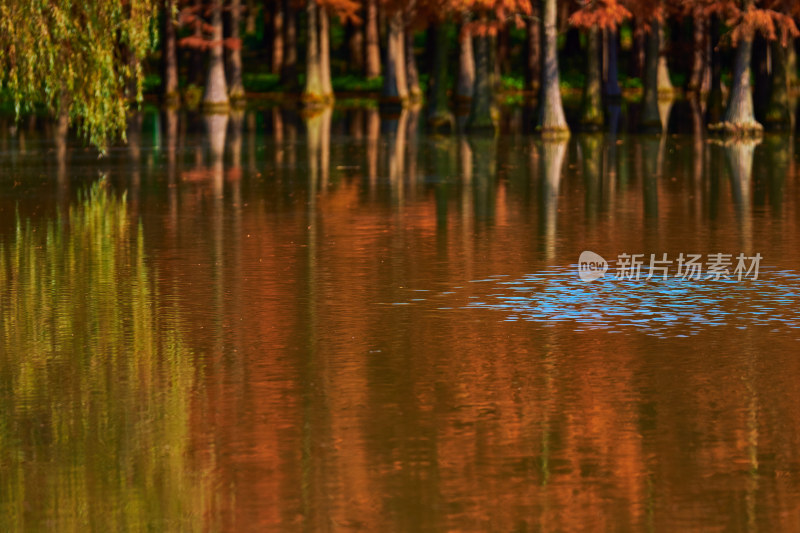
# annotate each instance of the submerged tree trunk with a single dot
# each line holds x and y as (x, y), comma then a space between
(235, 85)
(698, 80)
(480, 114)
(216, 95)
(439, 116)
(552, 121)
(759, 63)
(778, 114)
(592, 106)
(277, 37)
(289, 66)
(714, 107)
(612, 90)
(355, 45)
(533, 50)
(373, 50)
(314, 91)
(395, 85)
(739, 117)
(195, 72)
(650, 121)
(412, 73)
(325, 54)
(665, 86)
(466, 67)
(170, 57)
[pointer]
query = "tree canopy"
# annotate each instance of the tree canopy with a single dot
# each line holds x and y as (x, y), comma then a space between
(80, 59)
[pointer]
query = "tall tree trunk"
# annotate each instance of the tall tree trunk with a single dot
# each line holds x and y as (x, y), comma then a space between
(778, 114)
(714, 107)
(739, 117)
(699, 73)
(639, 49)
(325, 54)
(235, 85)
(289, 66)
(665, 86)
(759, 63)
(533, 50)
(170, 57)
(466, 67)
(395, 85)
(650, 121)
(412, 73)
(612, 89)
(791, 63)
(439, 116)
(216, 95)
(314, 91)
(250, 19)
(503, 53)
(197, 55)
(592, 106)
(551, 116)
(373, 50)
(480, 114)
(277, 37)
(355, 46)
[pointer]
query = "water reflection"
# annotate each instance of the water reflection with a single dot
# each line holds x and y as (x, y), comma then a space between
(95, 420)
(310, 326)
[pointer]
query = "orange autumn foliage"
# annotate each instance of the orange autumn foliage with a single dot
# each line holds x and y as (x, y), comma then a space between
(603, 14)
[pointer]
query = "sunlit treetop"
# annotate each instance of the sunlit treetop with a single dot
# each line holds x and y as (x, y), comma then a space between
(77, 56)
(603, 14)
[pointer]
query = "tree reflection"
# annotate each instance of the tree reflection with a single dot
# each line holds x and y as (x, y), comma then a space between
(553, 153)
(94, 413)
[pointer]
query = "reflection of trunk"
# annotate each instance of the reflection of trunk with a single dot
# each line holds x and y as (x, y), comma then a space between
(664, 83)
(277, 37)
(395, 86)
(778, 146)
(698, 79)
(651, 166)
(552, 160)
(650, 121)
(480, 115)
(289, 66)
(439, 116)
(216, 95)
(235, 145)
(664, 110)
(466, 66)
(591, 154)
(216, 126)
(373, 51)
(170, 57)
(484, 162)
(739, 114)
(551, 119)
(414, 92)
(533, 50)
(235, 53)
(612, 89)
(592, 106)
(714, 105)
(373, 136)
(778, 116)
(740, 157)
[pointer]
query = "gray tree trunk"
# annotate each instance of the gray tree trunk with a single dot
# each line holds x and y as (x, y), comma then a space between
(412, 73)
(739, 116)
(778, 114)
(289, 66)
(235, 85)
(650, 121)
(325, 54)
(592, 106)
(552, 121)
(665, 86)
(439, 116)
(373, 50)
(466, 67)
(395, 85)
(612, 89)
(216, 94)
(480, 115)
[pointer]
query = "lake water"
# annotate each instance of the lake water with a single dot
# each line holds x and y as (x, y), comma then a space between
(270, 322)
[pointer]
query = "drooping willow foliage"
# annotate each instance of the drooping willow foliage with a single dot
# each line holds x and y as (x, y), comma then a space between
(77, 57)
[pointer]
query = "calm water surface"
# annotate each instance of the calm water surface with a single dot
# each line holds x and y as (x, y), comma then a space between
(268, 322)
